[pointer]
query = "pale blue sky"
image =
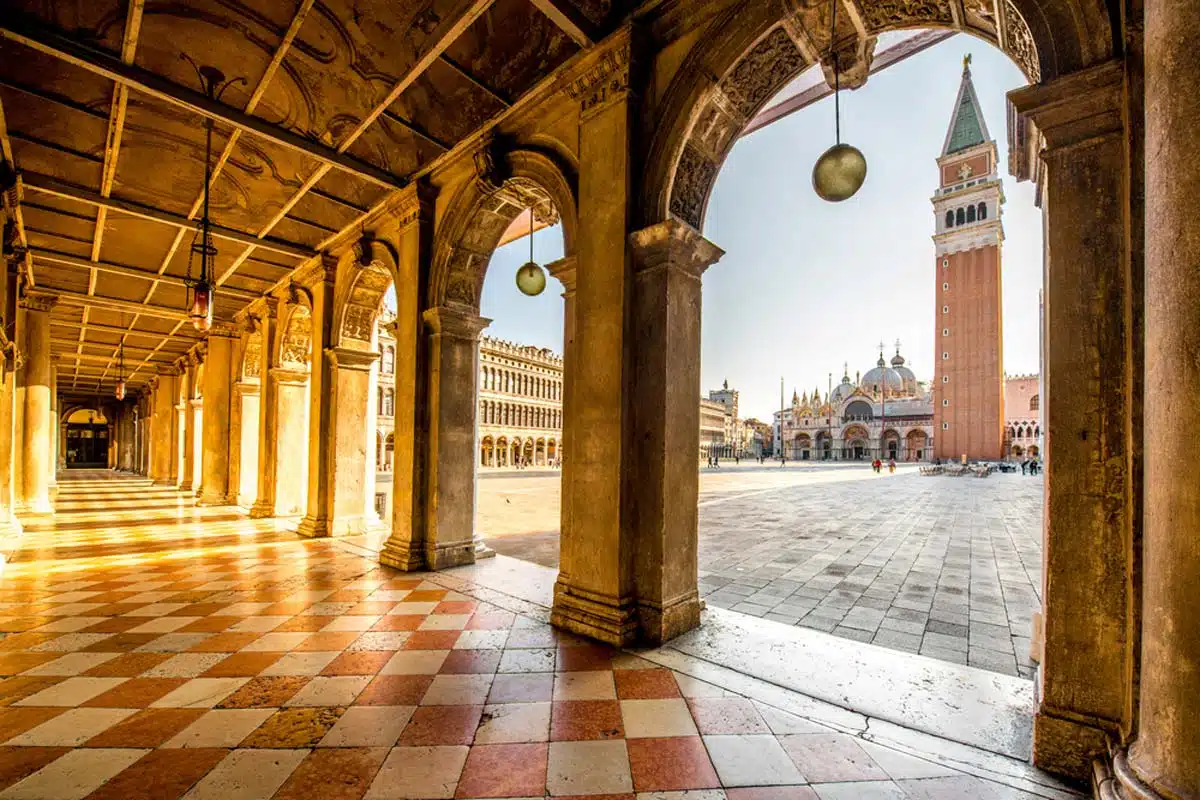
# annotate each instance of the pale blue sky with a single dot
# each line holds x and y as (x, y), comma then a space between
(805, 284)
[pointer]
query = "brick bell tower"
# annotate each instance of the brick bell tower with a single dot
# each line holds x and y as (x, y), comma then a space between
(968, 390)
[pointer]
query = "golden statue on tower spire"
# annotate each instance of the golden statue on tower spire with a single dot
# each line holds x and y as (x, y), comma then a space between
(967, 64)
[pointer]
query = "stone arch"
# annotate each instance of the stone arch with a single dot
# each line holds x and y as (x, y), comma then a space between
(753, 50)
(364, 276)
(483, 209)
(293, 345)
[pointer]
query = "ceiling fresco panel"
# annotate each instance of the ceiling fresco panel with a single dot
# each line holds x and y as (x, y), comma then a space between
(162, 155)
(511, 47)
(298, 232)
(59, 224)
(463, 106)
(134, 241)
(322, 211)
(235, 38)
(262, 272)
(390, 146)
(48, 278)
(354, 191)
(122, 287)
(99, 23)
(256, 182)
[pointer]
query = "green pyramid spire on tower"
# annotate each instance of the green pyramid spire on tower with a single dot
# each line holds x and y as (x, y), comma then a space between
(967, 128)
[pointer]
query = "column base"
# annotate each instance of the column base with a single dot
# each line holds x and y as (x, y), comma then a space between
(398, 555)
(185, 486)
(482, 550)
(41, 507)
(1066, 746)
(162, 482)
(661, 623)
(262, 511)
(313, 527)
(606, 619)
(1132, 785)
(209, 500)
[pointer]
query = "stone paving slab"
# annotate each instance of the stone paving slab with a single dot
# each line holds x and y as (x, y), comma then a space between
(945, 567)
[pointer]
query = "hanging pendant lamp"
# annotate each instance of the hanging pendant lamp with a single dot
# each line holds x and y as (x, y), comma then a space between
(200, 289)
(531, 278)
(119, 392)
(840, 171)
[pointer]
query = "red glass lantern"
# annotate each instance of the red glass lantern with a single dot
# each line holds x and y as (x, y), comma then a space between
(201, 311)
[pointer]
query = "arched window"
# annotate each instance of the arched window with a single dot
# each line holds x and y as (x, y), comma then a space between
(1034, 402)
(379, 402)
(389, 360)
(389, 403)
(983, 210)
(970, 213)
(950, 219)
(960, 217)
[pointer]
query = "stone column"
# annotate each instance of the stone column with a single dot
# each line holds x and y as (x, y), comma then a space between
(268, 433)
(233, 447)
(40, 428)
(350, 399)
(247, 398)
(370, 429)
(1164, 761)
(163, 447)
(565, 271)
(320, 414)
(195, 415)
(187, 469)
(57, 445)
(594, 592)
(1092, 308)
(404, 548)
(669, 260)
(289, 440)
(218, 403)
(8, 378)
(448, 530)
(61, 436)
(111, 461)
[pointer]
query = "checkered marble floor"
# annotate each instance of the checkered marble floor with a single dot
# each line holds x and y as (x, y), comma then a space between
(221, 659)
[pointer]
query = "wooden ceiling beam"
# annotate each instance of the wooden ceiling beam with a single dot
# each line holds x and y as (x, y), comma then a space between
(95, 326)
(54, 187)
(573, 23)
(477, 81)
(27, 31)
(83, 300)
(66, 259)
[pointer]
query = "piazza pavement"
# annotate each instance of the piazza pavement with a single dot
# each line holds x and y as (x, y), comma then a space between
(945, 567)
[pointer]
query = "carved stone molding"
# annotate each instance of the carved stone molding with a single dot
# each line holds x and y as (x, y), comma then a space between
(222, 330)
(564, 269)
(853, 63)
(693, 179)
(288, 377)
(763, 71)
(891, 14)
(606, 80)
(1017, 40)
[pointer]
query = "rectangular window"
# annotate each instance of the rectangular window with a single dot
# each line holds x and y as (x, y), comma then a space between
(945, 331)
(945, 355)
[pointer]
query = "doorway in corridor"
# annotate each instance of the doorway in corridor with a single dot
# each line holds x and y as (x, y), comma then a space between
(87, 440)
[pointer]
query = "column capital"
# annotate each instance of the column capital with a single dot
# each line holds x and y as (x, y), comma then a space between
(1070, 110)
(564, 270)
(37, 301)
(168, 370)
(345, 358)
(413, 204)
(221, 330)
(245, 387)
(329, 265)
(289, 377)
(456, 321)
(673, 244)
(607, 78)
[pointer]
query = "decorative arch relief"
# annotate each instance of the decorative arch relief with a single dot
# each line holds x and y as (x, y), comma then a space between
(252, 361)
(296, 341)
(364, 302)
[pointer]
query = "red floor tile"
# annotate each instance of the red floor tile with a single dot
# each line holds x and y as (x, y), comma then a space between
(441, 725)
(241, 665)
(398, 622)
(333, 774)
(471, 661)
(577, 720)
(136, 693)
(431, 640)
(585, 657)
(394, 690)
(670, 764)
(161, 775)
(149, 727)
(362, 662)
(17, 763)
(504, 770)
(645, 684)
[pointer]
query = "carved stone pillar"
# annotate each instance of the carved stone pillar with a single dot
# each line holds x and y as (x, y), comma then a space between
(1091, 458)
(669, 260)
(594, 592)
(316, 520)
(268, 416)
(215, 488)
(195, 415)
(1164, 761)
(290, 440)
(57, 445)
(404, 548)
(565, 271)
(448, 531)
(40, 428)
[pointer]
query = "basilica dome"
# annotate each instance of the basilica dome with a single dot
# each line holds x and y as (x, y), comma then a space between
(906, 374)
(842, 390)
(882, 376)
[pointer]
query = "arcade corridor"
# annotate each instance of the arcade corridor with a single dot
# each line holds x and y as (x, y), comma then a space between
(156, 650)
